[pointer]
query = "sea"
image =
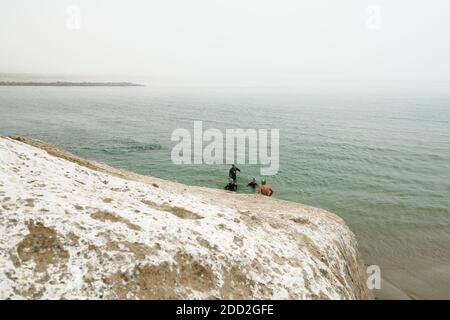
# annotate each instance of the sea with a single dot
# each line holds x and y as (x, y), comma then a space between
(379, 161)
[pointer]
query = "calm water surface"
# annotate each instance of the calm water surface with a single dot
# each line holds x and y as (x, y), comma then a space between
(380, 162)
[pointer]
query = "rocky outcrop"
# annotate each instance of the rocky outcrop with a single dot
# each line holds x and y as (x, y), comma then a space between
(76, 229)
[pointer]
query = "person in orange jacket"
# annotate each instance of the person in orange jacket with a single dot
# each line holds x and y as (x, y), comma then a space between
(265, 189)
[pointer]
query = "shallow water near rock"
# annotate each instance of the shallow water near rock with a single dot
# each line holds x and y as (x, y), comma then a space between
(380, 162)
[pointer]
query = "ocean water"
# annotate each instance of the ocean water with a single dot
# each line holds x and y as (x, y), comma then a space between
(381, 162)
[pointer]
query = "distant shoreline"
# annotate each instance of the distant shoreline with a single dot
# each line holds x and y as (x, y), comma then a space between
(69, 84)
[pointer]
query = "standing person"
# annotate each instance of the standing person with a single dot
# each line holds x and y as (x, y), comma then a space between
(231, 186)
(232, 172)
(265, 189)
(253, 184)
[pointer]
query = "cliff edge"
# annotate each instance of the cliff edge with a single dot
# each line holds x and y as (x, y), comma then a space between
(77, 229)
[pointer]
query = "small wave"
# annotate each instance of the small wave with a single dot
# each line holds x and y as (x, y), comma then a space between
(126, 146)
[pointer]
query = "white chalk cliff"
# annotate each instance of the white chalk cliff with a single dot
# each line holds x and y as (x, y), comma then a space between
(77, 229)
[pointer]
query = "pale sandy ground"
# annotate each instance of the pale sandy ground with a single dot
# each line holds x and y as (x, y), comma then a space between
(72, 228)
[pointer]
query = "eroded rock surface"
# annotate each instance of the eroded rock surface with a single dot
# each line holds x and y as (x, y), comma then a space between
(76, 229)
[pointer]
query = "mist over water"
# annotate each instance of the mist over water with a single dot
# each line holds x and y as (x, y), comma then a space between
(381, 162)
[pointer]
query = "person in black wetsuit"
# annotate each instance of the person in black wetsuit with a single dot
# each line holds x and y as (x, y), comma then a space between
(253, 184)
(232, 172)
(231, 186)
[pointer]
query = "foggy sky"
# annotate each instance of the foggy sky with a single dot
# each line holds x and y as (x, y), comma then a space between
(229, 42)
